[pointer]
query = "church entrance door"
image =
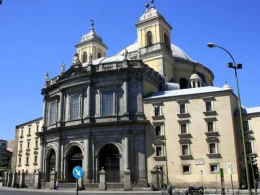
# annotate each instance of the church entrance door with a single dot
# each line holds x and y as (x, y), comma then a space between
(74, 159)
(50, 164)
(109, 159)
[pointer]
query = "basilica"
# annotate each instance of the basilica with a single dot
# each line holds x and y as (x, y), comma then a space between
(148, 107)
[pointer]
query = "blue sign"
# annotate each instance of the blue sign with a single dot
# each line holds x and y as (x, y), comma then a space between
(77, 172)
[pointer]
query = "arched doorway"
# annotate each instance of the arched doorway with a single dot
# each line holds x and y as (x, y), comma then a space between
(74, 158)
(50, 164)
(183, 83)
(109, 159)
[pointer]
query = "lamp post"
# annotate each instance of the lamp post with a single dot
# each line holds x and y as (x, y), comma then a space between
(235, 67)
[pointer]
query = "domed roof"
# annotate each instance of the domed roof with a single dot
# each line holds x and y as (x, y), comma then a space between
(90, 36)
(227, 86)
(152, 13)
(177, 52)
(194, 76)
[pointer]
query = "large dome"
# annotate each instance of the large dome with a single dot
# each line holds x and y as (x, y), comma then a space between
(176, 52)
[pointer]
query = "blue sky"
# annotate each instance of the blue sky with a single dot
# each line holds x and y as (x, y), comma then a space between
(37, 36)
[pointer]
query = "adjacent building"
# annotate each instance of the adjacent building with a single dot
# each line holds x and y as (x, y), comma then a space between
(28, 145)
(149, 106)
(3, 155)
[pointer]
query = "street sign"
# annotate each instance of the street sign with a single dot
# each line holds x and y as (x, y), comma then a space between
(77, 172)
(229, 168)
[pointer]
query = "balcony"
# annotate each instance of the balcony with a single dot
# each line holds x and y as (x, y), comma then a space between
(185, 136)
(159, 117)
(184, 115)
(212, 133)
(186, 157)
(159, 158)
(210, 113)
(215, 155)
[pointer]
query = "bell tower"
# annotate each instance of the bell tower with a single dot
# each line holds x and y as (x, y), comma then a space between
(91, 45)
(154, 41)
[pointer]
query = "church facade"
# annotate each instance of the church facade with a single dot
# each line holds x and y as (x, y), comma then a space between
(148, 107)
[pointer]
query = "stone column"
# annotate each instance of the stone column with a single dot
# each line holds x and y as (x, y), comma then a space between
(140, 97)
(89, 100)
(37, 182)
(127, 180)
(155, 179)
(61, 161)
(67, 114)
(41, 154)
(60, 114)
(102, 179)
(126, 152)
(57, 163)
(86, 159)
(6, 178)
(53, 180)
(125, 89)
(98, 103)
(10, 177)
(44, 112)
(22, 178)
(14, 179)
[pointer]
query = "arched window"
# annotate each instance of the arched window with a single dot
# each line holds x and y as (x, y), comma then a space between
(149, 38)
(99, 55)
(183, 83)
(84, 57)
(166, 40)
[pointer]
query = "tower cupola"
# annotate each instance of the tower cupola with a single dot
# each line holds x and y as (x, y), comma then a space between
(195, 81)
(91, 44)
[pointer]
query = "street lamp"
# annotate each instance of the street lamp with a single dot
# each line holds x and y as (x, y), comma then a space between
(235, 67)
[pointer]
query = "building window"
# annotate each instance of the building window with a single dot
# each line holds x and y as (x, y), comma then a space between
(21, 132)
(249, 147)
(74, 108)
(84, 57)
(185, 149)
(213, 168)
(36, 143)
(246, 125)
(20, 160)
(208, 106)
(35, 159)
(52, 113)
(27, 160)
(210, 126)
(185, 168)
(99, 55)
(213, 148)
(182, 109)
(157, 110)
(37, 128)
(107, 103)
(159, 151)
(149, 38)
(29, 131)
(158, 130)
(21, 146)
(183, 128)
(28, 145)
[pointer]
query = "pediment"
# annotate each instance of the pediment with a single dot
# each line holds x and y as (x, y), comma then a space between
(73, 72)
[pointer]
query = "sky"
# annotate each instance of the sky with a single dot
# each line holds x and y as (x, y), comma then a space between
(36, 36)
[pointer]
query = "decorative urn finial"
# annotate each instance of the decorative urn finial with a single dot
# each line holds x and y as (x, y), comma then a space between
(92, 25)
